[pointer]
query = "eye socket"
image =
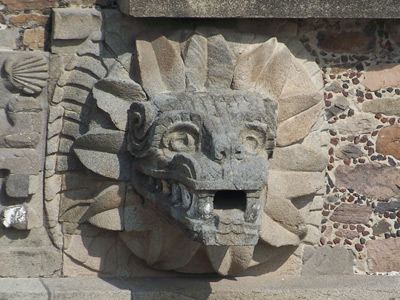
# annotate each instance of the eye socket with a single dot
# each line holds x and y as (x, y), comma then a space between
(181, 138)
(253, 138)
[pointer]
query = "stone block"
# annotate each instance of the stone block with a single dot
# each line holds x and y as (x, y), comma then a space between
(327, 261)
(351, 214)
(23, 289)
(13, 5)
(383, 255)
(388, 141)
(17, 186)
(261, 8)
(371, 180)
(34, 38)
(382, 75)
(76, 24)
(387, 106)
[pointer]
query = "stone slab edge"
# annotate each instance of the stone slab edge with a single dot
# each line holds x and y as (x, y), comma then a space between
(261, 8)
(262, 287)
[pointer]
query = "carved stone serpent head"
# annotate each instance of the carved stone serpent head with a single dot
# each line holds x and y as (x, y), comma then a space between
(201, 161)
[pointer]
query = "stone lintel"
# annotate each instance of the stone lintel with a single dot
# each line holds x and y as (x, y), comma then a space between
(261, 8)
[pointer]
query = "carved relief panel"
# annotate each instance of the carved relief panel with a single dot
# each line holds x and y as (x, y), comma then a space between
(197, 150)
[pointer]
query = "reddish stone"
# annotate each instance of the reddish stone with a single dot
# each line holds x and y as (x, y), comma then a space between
(326, 206)
(383, 255)
(329, 243)
(359, 247)
(375, 133)
(348, 234)
(345, 93)
(378, 116)
(351, 198)
(336, 241)
(331, 160)
(332, 207)
(369, 143)
(371, 180)
(332, 76)
(347, 161)
(322, 241)
(365, 233)
(361, 160)
(347, 242)
(388, 141)
(330, 95)
(330, 167)
(335, 141)
(368, 96)
(392, 121)
(323, 228)
(384, 120)
(29, 19)
(360, 228)
(325, 213)
(382, 75)
(330, 151)
(352, 227)
(360, 100)
(335, 225)
(355, 81)
(328, 103)
(351, 214)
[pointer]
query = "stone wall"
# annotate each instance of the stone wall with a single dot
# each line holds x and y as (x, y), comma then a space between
(53, 56)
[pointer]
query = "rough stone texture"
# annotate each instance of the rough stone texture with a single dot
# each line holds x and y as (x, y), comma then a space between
(388, 142)
(14, 5)
(382, 75)
(327, 261)
(346, 41)
(371, 180)
(349, 151)
(34, 38)
(351, 214)
(383, 255)
(383, 207)
(381, 227)
(360, 123)
(387, 106)
(265, 8)
(76, 23)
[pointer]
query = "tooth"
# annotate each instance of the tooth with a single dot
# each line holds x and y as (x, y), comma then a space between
(165, 187)
(186, 198)
(176, 194)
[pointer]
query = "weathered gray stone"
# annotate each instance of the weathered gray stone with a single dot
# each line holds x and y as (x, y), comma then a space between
(387, 106)
(339, 105)
(349, 151)
(327, 261)
(383, 255)
(358, 124)
(371, 180)
(76, 24)
(17, 186)
(351, 214)
(381, 227)
(383, 207)
(22, 288)
(264, 8)
(8, 38)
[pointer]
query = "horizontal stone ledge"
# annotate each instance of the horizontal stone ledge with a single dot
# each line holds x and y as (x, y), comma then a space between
(183, 288)
(261, 8)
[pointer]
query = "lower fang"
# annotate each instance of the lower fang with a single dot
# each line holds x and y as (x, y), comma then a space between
(165, 187)
(186, 197)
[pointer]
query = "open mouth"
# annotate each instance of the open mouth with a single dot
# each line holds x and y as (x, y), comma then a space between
(180, 199)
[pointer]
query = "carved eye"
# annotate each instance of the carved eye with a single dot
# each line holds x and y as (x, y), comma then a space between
(253, 138)
(183, 137)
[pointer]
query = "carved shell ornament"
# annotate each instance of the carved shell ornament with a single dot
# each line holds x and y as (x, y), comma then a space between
(204, 135)
(28, 72)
